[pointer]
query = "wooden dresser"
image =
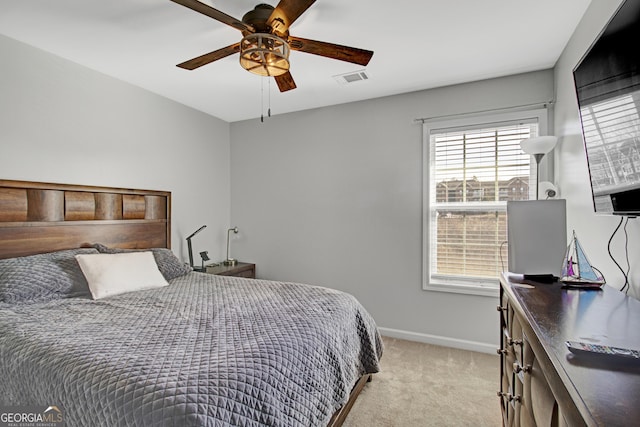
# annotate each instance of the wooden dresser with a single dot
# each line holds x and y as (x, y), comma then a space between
(542, 383)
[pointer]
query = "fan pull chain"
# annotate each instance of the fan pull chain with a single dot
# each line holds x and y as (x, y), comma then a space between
(269, 94)
(261, 100)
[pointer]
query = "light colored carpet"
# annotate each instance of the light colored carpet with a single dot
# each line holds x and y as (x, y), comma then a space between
(427, 385)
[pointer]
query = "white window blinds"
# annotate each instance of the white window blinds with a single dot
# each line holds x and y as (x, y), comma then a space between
(473, 172)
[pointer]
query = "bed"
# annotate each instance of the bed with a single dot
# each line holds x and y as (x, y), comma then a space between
(193, 350)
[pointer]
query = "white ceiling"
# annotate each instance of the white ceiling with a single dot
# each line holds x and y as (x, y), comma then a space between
(418, 44)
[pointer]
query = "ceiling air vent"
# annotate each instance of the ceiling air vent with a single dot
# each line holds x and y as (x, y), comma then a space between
(352, 77)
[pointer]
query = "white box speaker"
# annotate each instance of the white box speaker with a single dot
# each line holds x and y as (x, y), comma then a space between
(537, 234)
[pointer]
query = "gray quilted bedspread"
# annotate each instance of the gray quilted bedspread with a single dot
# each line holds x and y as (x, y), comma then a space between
(205, 351)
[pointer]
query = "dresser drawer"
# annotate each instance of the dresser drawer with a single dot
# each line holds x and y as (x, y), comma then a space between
(246, 273)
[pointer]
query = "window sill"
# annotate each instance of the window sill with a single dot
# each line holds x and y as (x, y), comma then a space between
(485, 290)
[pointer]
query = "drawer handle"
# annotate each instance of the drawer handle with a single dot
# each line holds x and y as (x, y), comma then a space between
(514, 342)
(509, 397)
(510, 340)
(517, 368)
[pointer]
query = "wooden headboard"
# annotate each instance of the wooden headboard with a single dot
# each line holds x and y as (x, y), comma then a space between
(37, 217)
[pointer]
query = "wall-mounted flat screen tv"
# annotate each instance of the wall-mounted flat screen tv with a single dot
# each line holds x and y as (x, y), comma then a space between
(607, 81)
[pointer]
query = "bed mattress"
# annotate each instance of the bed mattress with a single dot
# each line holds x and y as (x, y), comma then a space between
(205, 351)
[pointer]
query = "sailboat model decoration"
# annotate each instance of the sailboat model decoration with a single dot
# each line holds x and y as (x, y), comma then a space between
(577, 271)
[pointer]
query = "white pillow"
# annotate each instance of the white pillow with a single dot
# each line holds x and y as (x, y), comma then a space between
(113, 274)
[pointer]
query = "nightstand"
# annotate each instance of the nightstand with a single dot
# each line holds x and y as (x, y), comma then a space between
(241, 269)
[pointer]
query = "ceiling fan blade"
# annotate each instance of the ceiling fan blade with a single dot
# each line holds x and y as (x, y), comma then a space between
(215, 14)
(208, 58)
(330, 50)
(285, 82)
(286, 13)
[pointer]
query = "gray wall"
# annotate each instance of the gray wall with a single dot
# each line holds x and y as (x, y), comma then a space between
(333, 197)
(572, 172)
(60, 122)
(330, 196)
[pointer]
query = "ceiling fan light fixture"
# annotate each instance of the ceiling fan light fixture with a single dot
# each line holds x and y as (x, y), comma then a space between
(264, 54)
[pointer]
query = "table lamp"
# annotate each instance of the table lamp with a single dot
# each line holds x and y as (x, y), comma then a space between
(229, 260)
(189, 247)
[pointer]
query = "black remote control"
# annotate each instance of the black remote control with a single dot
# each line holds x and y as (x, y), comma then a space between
(603, 350)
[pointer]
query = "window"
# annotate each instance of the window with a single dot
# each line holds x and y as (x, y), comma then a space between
(471, 170)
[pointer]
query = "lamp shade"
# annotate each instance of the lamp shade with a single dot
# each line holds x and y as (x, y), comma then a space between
(539, 144)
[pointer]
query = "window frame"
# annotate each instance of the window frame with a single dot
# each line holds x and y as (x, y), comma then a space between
(471, 286)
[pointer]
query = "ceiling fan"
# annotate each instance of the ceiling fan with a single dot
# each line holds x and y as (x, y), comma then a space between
(266, 43)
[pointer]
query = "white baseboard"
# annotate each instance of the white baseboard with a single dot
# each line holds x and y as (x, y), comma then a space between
(439, 340)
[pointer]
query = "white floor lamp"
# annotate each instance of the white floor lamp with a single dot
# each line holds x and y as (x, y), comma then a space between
(538, 147)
